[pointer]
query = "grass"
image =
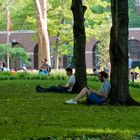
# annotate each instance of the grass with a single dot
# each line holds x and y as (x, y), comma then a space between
(27, 115)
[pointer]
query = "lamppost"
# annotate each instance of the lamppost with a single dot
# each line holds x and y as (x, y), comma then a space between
(8, 34)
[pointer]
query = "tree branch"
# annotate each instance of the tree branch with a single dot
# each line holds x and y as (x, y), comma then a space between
(65, 42)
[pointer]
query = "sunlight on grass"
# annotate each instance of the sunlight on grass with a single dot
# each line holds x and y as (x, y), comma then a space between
(25, 114)
(99, 132)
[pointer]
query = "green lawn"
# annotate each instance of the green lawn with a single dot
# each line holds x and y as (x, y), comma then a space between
(27, 115)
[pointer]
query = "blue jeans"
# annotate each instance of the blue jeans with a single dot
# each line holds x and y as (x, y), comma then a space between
(55, 89)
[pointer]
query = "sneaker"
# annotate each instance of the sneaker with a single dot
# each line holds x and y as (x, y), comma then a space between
(38, 86)
(71, 101)
(39, 89)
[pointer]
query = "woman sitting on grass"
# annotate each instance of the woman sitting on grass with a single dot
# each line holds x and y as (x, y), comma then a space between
(94, 97)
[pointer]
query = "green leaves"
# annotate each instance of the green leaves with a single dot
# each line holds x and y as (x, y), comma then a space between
(15, 53)
(23, 18)
(19, 53)
(19, 14)
(4, 48)
(134, 17)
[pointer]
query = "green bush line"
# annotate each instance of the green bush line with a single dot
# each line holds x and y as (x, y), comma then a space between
(30, 76)
(61, 76)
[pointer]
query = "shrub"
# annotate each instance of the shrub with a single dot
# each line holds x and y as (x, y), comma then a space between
(31, 76)
(53, 76)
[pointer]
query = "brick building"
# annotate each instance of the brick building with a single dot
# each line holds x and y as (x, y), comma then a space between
(26, 40)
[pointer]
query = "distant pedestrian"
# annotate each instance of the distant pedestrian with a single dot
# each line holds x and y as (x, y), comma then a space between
(129, 66)
(4, 67)
(130, 63)
(45, 68)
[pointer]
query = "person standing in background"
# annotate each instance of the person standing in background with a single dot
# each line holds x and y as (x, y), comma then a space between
(129, 65)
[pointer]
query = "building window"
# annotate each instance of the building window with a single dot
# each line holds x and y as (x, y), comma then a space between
(137, 2)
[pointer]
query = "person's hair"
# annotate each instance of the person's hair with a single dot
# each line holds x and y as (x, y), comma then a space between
(94, 69)
(4, 64)
(104, 74)
(69, 69)
(45, 59)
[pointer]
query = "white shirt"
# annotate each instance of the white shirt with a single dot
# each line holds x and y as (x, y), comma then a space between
(71, 80)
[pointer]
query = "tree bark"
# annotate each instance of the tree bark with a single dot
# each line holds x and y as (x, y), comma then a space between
(79, 42)
(119, 54)
(56, 52)
(56, 49)
(43, 45)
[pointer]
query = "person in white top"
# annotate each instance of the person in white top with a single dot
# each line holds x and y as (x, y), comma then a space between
(62, 88)
(4, 67)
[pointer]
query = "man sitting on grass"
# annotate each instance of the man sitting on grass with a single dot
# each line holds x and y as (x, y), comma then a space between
(61, 87)
(94, 97)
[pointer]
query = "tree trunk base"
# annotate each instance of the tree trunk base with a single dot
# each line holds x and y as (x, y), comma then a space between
(128, 102)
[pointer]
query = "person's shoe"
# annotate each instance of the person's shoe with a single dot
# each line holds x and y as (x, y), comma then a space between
(38, 86)
(39, 89)
(71, 101)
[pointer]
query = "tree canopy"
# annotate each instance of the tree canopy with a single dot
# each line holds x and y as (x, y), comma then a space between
(60, 21)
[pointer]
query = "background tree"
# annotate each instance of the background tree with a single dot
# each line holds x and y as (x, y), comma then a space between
(59, 26)
(134, 17)
(16, 53)
(18, 56)
(101, 24)
(96, 15)
(94, 18)
(43, 45)
(22, 15)
(119, 53)
(79, 42)
(95, 21)
(4, 49)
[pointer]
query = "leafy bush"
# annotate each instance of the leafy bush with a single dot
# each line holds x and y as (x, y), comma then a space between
(31, 76)
(135, 84)
(94, 78)
(53, 76)
(137, 69)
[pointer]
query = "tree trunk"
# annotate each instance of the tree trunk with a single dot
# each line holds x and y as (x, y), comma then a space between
(79, 42)
(119, 53)
(56, 49)
(43, 46)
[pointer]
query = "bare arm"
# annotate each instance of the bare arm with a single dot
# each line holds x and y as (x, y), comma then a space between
(101, 94)
(67, 86)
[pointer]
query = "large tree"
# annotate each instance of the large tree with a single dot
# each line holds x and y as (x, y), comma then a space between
(119, 53)
(79, 42)
(22, 15)
(60, 24)
(43, 45)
